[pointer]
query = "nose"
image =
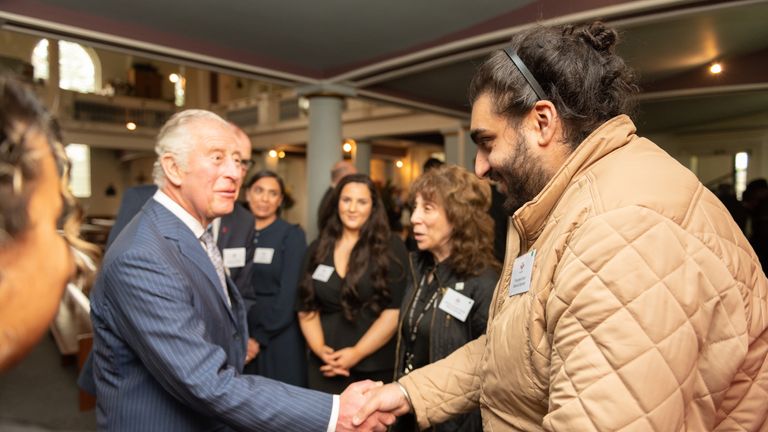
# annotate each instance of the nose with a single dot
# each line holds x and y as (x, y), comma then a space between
(233, 169)
(416, 216)
(481, 164)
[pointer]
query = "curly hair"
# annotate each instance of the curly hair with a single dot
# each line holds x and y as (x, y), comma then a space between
(577, 68)
(371, 252)
(465, 199)
(20, 168)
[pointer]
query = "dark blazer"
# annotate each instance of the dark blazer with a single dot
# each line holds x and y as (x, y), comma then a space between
(168, 351)
(237, 230)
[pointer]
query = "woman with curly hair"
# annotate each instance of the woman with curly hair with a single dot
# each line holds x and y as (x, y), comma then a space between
(352, 287)
(452, 276)
(36, 261)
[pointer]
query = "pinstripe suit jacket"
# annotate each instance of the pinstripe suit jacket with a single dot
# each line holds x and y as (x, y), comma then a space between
(168, 351)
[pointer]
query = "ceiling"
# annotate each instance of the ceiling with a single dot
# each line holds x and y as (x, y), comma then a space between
(423, 53)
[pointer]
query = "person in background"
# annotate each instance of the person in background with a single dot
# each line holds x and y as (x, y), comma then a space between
(34, 202)
(325, 210)
(270, 294)
(351, 289)
(634, 301)
(452, 278)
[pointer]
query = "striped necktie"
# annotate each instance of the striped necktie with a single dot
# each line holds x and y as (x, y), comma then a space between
(218, 264)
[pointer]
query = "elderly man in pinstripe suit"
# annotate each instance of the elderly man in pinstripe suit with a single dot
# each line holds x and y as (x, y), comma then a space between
(169, 326)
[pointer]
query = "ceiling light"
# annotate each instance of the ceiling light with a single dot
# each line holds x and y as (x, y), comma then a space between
(273, 153)
(174, 78)
(715, 68)
(131, 126)
(399, 164)
(281, 154)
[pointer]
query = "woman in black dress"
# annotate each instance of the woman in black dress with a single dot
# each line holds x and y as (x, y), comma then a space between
(274, 273)
(351, 290)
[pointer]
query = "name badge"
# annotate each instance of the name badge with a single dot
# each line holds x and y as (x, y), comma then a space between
(263, 255)
(522, 271)
(322, 273)
(234, 257)
(456, 304)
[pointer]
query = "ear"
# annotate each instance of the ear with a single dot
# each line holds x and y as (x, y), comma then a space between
(172, 170)
(546, 122)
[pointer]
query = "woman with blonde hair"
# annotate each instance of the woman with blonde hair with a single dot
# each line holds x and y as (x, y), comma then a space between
(452, 276)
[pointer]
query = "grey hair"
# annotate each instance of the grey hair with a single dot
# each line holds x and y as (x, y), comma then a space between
(176, 138)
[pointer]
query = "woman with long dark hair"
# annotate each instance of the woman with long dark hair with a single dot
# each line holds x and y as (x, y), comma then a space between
(274, 275)
(351, 290)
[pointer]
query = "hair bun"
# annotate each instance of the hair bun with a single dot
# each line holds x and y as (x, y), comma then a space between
(600, 37)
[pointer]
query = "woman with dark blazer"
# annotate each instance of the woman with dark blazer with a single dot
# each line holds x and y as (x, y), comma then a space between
(274, 275)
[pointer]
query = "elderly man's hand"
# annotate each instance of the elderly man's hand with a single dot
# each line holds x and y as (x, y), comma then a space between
(351, 400)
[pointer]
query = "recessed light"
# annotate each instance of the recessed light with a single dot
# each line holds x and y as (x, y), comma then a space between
(715, 68)
(131, 126)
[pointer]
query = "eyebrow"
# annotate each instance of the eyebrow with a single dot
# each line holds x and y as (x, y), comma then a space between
(475, 134)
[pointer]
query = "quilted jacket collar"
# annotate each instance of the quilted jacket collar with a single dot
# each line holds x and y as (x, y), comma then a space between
(530, 219)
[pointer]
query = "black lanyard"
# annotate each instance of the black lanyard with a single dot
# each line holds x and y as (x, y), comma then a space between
(413, 327)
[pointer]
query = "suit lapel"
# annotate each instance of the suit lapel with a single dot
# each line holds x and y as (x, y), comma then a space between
(174, 229)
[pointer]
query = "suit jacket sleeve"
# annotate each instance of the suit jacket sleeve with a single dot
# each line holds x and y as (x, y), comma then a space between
(282, 312)
(155, 313)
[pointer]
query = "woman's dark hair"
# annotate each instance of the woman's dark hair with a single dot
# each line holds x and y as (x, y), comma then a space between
(371, 252)
(465, 199)
(20, 113)
(577, 68)
(271, 174)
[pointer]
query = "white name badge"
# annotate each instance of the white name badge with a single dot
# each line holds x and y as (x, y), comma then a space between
(322, 273)
(234, 257)
(263, 255)
(456, 304)
(521, 273)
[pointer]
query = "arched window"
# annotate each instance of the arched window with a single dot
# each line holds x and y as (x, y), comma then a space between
(79, 67)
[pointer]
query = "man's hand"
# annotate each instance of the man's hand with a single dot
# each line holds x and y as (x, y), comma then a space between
(252, 350)
(387, 399)
(350, 403)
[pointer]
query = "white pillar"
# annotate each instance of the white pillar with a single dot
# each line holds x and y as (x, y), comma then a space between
(363, 157)
(453, 153)
(323, 145)
(469, 149)
(54, 74)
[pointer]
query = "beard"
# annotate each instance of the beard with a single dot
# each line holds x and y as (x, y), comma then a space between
(521, 176)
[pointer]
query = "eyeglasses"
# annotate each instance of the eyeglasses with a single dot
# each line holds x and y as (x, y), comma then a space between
(518, 62)
(246, 164)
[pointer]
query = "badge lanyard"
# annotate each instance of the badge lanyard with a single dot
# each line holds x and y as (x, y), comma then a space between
(414, 326)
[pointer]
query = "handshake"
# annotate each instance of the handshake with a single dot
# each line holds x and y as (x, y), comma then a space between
(371, 406)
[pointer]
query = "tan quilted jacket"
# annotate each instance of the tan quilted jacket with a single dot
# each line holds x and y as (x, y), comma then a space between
(648, 310)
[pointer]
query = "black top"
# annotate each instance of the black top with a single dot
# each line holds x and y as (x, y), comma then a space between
(341, 333)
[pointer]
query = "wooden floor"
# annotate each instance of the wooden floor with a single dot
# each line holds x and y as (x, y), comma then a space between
(40, 394)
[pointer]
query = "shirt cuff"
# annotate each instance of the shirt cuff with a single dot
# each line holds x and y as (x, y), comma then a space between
(334, 414)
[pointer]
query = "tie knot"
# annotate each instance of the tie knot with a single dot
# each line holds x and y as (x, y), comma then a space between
(207, 237)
